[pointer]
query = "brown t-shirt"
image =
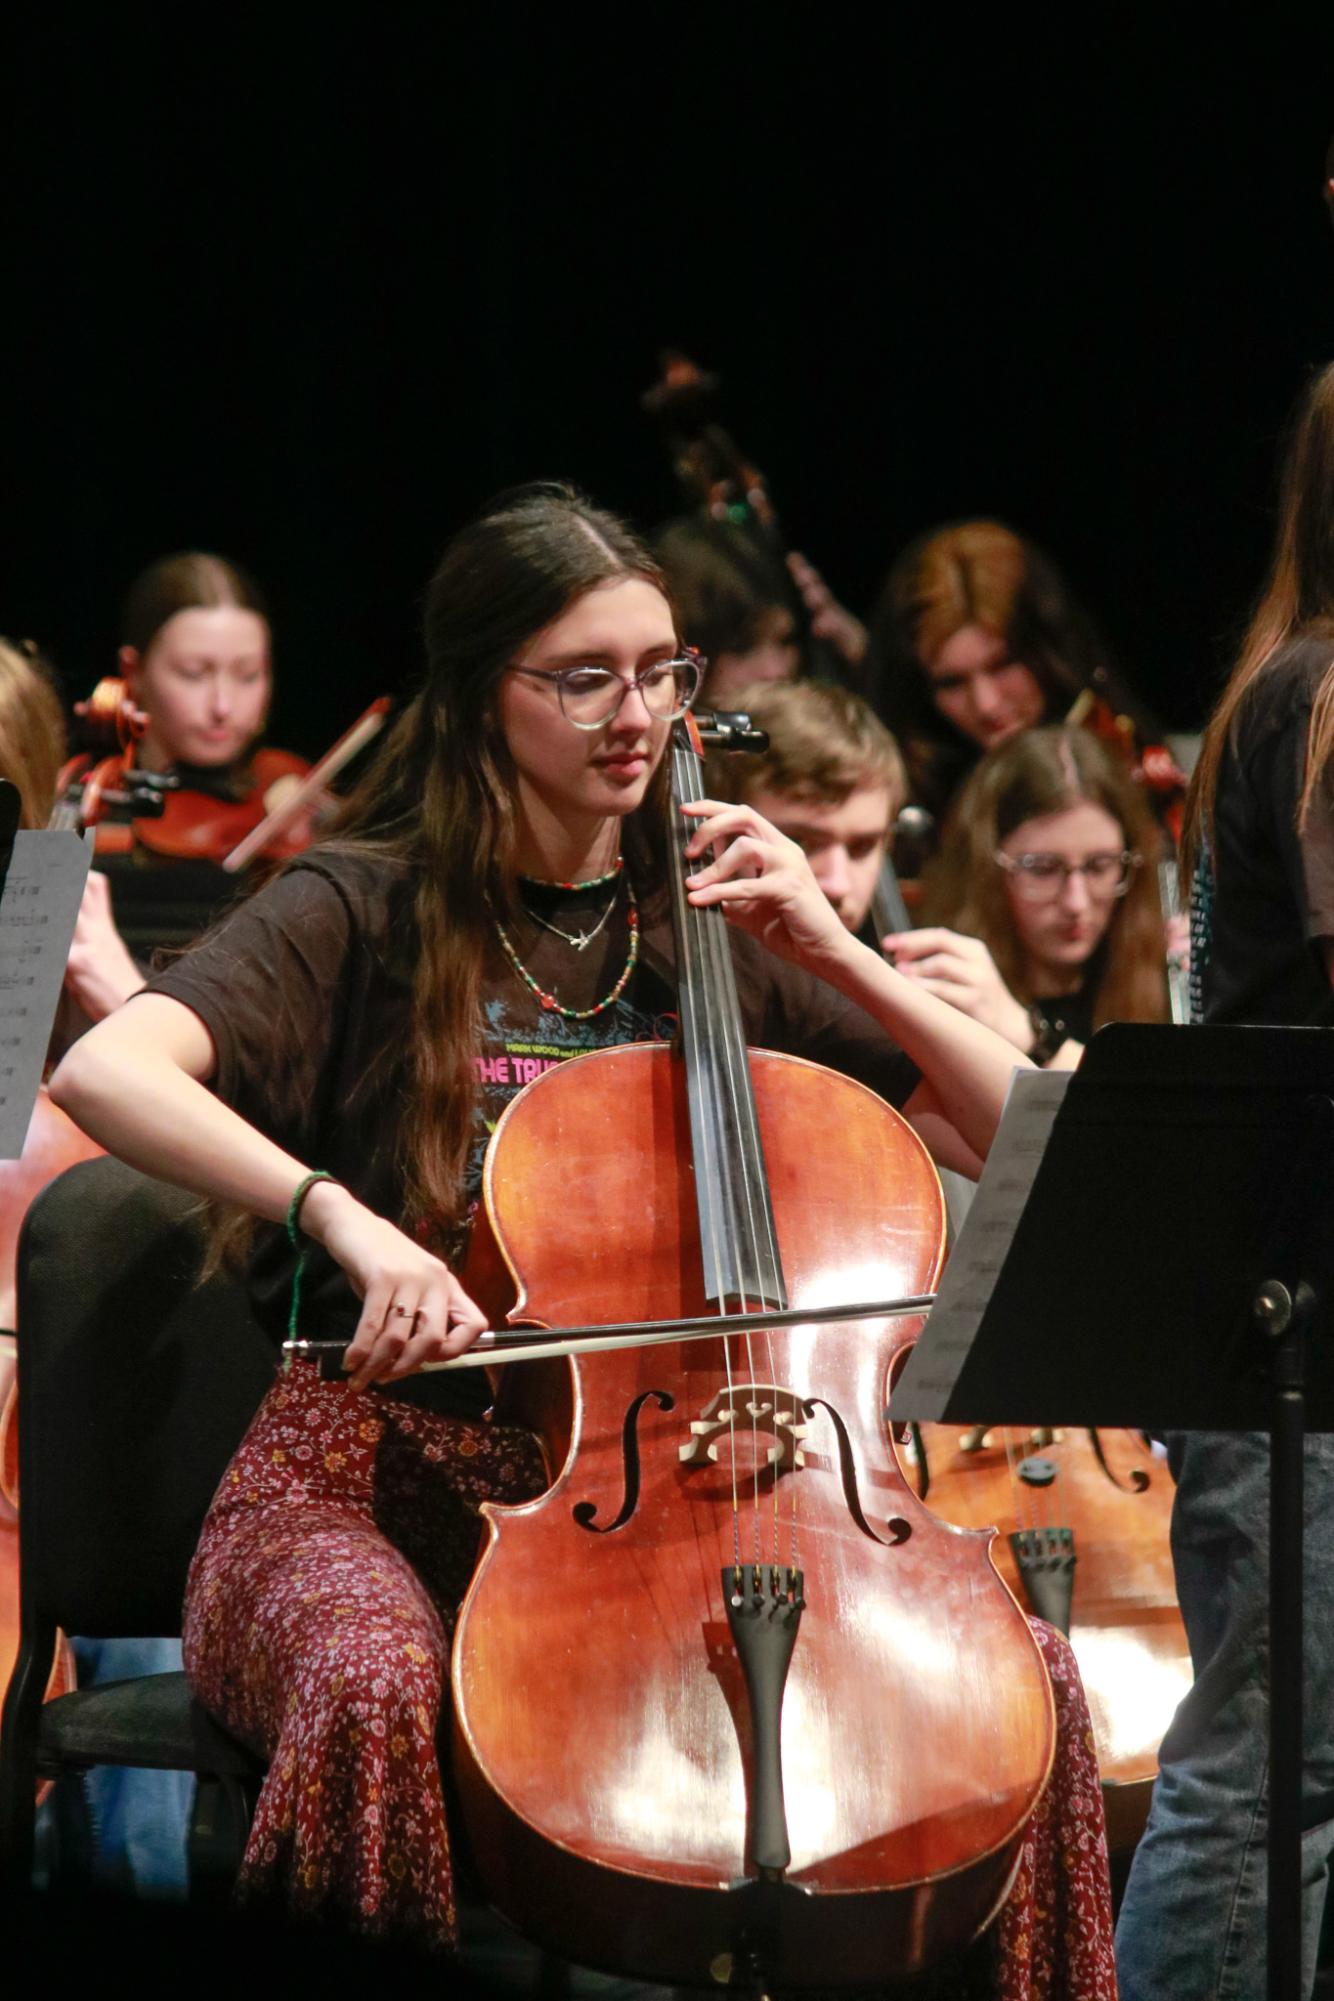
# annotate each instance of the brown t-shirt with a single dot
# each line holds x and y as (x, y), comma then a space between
(306, 991)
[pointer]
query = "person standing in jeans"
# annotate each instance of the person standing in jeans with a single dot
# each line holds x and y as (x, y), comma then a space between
(1259, 847)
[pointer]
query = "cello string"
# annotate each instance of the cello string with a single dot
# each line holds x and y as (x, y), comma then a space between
(713, 951)
(713, 942)
(691, 939)
(728, 1043)
(750, 1216)
(734, 1093)
(697, 1051)
(759, 1235)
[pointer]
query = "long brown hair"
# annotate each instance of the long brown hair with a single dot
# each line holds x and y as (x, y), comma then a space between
(193, 580)
(32, 731)
(439, 796)
(1045, 771)
(971, 573)
(1298, 597)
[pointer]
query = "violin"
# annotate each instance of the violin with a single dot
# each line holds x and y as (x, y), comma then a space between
(730, 1705)
(178, 821)
(262, 812)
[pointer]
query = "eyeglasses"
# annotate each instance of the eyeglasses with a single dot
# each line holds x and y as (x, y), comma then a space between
(1041, 878)
(591, 696)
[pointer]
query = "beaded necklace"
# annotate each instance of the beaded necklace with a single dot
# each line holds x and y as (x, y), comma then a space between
(594, 881)
(549, 1000)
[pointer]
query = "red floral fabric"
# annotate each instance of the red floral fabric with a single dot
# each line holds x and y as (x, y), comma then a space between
(1053, 1938)
(319, 1612)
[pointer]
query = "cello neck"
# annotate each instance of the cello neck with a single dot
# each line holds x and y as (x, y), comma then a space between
(736, 1225)
(889, 912)
(1169, 900)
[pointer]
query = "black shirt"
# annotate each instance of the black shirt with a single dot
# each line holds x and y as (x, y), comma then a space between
(306, 992)
(1267, 894)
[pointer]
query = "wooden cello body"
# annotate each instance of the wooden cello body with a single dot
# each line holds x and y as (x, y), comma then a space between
(1108, 1506)
(606, 1737)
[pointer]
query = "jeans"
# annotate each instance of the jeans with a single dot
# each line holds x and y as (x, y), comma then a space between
(140, 1819)
(1192, 1922)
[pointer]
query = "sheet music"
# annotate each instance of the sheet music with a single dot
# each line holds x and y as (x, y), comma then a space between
(37, 911)
(932, 1370)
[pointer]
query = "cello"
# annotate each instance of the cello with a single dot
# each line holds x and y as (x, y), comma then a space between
(736, 1627)
(1085, 1517)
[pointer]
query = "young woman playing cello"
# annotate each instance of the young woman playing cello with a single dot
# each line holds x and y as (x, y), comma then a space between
(493, 907)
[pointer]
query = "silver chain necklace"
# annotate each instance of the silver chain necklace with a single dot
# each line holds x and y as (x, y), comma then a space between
(579, 939)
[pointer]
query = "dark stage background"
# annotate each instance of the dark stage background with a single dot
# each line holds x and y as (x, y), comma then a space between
(306, 287)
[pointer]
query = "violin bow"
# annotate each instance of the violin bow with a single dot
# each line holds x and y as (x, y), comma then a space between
(317, 780)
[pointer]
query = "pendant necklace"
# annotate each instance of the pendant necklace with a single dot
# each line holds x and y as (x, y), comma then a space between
(549, 1000)
(579, 939)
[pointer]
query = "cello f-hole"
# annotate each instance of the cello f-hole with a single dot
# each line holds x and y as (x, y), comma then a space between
(1139, 1479)
(585, 1511)
(899, 1529)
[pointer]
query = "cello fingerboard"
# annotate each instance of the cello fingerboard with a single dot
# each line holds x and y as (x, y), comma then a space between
(736, 1223)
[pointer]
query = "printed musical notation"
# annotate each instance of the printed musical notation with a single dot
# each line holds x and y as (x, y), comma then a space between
(38, 905)
(933, 1368)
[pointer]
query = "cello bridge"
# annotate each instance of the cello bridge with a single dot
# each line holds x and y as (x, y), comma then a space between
(744, 1416)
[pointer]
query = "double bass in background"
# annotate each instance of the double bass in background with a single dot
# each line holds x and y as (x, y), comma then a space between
(735, 582)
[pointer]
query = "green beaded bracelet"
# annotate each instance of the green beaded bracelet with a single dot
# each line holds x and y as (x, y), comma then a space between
(294, 1237)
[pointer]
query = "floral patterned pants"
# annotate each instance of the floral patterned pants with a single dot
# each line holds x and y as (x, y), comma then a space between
(319, 1612)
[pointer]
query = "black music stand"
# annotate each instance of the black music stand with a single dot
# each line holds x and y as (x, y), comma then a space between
(1173, 1269)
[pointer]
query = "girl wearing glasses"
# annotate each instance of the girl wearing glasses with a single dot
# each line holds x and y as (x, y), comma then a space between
(1052, 905)
(493, 905)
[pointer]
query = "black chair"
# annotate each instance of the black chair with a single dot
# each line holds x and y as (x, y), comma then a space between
(136, 1387)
